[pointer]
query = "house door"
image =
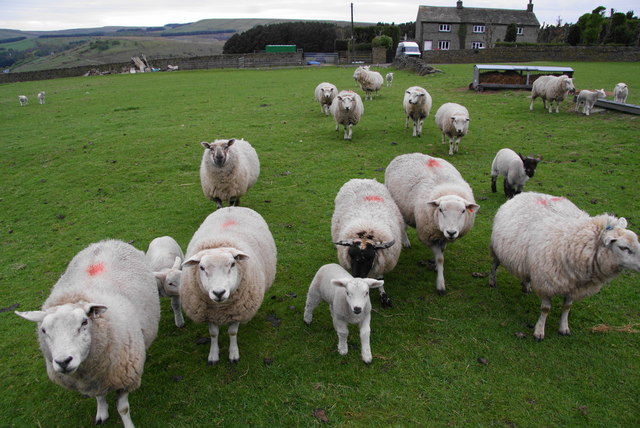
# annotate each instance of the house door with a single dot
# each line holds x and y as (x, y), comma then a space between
(428, 45)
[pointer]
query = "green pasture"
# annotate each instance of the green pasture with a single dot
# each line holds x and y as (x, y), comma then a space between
(118, 157)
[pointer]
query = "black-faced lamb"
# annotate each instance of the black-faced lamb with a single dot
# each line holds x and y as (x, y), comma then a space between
(453, 120)
(228, 169)
(165, 258)
(41, 97)
(551, 88)
(556, 249)
(97, 323)
(620, 93)
(588, 99)
(389, 78)
(370, 81)
(515, 168)
(348, 300)
(230, 264)
(325, 93)
(347, 109)
(417, 105)
(23, 100)
(435, 199)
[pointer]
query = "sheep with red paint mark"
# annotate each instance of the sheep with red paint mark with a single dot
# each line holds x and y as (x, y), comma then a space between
(367, 229)
(434, 198)
(165, 257)
(229, 265)
(97, 323)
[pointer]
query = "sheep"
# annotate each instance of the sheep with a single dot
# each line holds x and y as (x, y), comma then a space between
(347, 109)
(230, 264)
(365, 227)
(23, 100)
(434, 198)
(165, 260)
(349, 303)
(556, 249)
(389, 79)
(620, 93)
(551, 88)
(228, 169)
(97, 323)
(369, 81)
(417, 104)
(515, 168)
(453, 120)
(41, 97)
(588, 99)
(325, 93)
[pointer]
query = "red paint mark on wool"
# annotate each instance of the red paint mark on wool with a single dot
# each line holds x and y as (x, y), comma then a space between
(542, 201)
(96, 269)
(432, 163)
(373, 198)
(228, 223)
(557, 199)
(470, 210)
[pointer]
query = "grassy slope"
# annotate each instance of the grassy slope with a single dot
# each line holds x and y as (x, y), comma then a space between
(118, 156)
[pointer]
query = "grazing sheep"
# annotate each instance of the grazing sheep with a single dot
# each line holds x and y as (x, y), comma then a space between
(325, 93)
(366, 224)
(23, 100)
(369, 81)
(453, 121)
(434, 198)
(620, 93)
(551, 88)
(556, 249)
(230, 264)
(349, 303)
(389, 79)
(97, 323)
(347, 109)
(165, 260)
(417, 104)
(515, 168)
(41, 97)
(228, 169)
(588, 99)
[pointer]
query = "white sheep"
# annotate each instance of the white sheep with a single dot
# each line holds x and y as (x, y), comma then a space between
(515, 168)
(417, 105)
(588, 99)
(228, 169)
(370, 81)
(41, 97)
(389, 79)
(97, 323)
(325, 93)
(165, 260)
(367, 228)
(347, 109)
(551, 88)
(556, 249)
(620, 93)
(435, 199)
(230, 264)
(349, 303)
(453, 120)
(23, 100)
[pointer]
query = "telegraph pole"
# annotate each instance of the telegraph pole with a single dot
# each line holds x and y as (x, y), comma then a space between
(353, 39)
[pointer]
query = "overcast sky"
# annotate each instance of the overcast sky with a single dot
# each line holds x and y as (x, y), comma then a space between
(66, 14)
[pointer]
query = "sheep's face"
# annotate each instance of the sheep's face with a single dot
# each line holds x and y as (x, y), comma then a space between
(601, 93)
(347, 102)
(168, 280)
(460, 124)
(530, 165)
(451, 214)
(218, 150)
(568, 85)
(218, 271)
(357, 292)
(415, 97)
(623, 244)
(362, 254)
(328, 92)
(65, 333)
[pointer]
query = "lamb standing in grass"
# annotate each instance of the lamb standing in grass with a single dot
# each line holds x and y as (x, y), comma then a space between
(556, 249)
(97, 323)
(165, 260)
(325, 93)
(347, 109)
(620, 93)
(453, 121)
(228, 169)
(389, 79)
(23, 100)
(515, 168)
(588, 99)
(348, 300)
(41, 97)
(551, 88)
(369, 81)
(434, 198)
(417, 104)
(230, 264)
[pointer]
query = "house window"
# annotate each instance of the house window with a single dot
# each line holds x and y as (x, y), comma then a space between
(477, 45)
(444, 45)
(446, 28)
(520, 31)
(478, 28)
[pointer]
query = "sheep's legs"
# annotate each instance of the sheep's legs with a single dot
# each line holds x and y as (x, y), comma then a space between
(214, 351)
(405, 238)
(234, 202)
(177, 313)
(438, 253)
(494, 268)
(313, 299)
(406, 123)
(443, 138)
(102, 414)
(453, 145)
(545, 307)
(564, 317)
(343, 332)
(365, 333)
(122, 402)
(494, 180)
(385, 301)
(218, 202)
(234, 351)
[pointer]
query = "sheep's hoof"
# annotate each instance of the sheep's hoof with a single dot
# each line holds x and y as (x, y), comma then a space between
(493, 284)
(211, 363)
(385, 301)
(442, 292)
(234, 361)
(100, 421)
(564, 333)
(539, 339)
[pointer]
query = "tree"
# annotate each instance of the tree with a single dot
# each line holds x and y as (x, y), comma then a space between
(591, 25)
(573, 38)
(382, 41)
(512, 33)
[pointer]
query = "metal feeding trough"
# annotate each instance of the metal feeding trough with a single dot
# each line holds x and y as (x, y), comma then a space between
(488, 76)
(612, 105)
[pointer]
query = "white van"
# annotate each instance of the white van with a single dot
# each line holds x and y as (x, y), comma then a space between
(408, 49)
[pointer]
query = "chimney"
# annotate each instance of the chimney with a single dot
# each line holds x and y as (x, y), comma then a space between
(530, 6)
(459, 4)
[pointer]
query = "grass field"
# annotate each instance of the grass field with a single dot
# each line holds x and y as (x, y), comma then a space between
(118, 157)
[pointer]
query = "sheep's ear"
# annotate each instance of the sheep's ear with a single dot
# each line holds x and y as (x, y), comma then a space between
(473, 207)
(346, 243)
(160, 276)
(622, 223)
(374, 283)
(94, 310)
(239, 255)
(205, 144)
(384, 245)
(607, 239)
(408, 92)
(230, 142)
(435, 203)
(468, 119)
(342, 282)
(193, 260)
(176, 263)
(35, 316)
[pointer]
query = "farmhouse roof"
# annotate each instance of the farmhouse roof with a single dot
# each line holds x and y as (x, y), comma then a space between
(469, 15)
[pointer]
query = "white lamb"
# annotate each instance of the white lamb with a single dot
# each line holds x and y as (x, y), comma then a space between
(389, 79)
(325, 93)
(551, 88)
(417, 105)
(165, 260)
(23, 100)
(230, 264)
(228, 169)
(370, 81)
(588, 99)
(435, 199)
(348, 300)
(97, 323)
(515, 168)
(367, 228)
(620, 93)
(453, 120)
(557, 249)
(41, 97)
(347, 109)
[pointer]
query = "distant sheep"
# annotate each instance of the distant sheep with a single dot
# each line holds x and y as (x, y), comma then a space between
(41, 97)
(347, 109)
(556, 249)
(228, 169)
(325, 93)
(23, 100)
(348, 300)
(165, 260)
(370, 81)
(230, 264)
(588, 99)
(417, 105)
(453, 120)
(620, 93)
(435, 199)
(389, 79)
(551, 88)
(515, 168)
(97, 323)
